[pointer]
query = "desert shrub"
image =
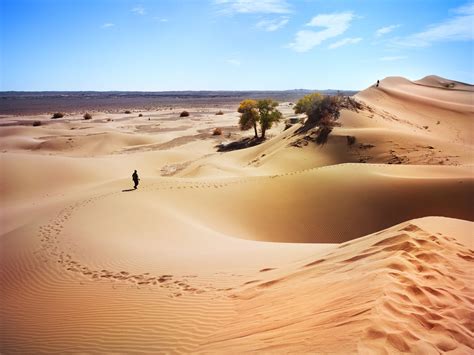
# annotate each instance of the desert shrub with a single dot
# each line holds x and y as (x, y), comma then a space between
(36, 123)
(127, 112)
(219, 112)
(323, 134)
(320, 110)
(184, 114)
(58, 115)
(87, 116)
(140, 115)
(351, 140)
(217, 131)
(109, 119)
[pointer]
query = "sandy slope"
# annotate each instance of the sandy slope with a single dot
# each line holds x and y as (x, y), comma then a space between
(184, 263)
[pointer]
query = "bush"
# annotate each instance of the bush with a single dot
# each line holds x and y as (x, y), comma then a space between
(58, 115)
(351, 140)
(217, 131)
(127, 112)
(36, 123)
(87, 116)
(140, 115)
(323, 134)
(219, 112)
(320, 110)
(184, 114)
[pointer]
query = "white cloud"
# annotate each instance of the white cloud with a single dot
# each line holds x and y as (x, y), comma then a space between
(344, 42)
(107, 25)
(254, 6)
(139, 10)
(394, 58)
(334, 25)
(384, 30)
(233, 62)
(456, 28)
(272, 25)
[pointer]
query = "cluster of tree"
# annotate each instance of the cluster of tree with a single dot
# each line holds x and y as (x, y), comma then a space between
(258, 112)
(321, 111)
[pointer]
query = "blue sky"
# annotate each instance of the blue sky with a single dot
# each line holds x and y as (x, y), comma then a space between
(231, 44)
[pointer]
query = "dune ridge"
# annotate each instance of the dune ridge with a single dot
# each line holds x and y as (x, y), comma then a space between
(404, 282)
(287, 246)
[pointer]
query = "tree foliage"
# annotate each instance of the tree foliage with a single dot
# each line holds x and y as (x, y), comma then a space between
(268, 113)
(320, 110)
(248, 115)
(263, 112)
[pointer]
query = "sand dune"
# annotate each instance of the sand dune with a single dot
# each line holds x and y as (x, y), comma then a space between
(283, 247)
(392, 291)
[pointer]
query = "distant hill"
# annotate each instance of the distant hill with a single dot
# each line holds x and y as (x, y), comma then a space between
(29, 102)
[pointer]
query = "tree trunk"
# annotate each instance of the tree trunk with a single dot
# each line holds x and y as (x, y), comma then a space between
(255, 129)
(263, 133)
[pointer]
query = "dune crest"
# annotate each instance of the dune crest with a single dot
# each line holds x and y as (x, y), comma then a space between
(400, 290)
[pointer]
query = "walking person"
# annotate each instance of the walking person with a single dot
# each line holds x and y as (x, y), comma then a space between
(135, 179)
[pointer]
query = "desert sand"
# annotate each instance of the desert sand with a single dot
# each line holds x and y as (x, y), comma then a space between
(287, 246)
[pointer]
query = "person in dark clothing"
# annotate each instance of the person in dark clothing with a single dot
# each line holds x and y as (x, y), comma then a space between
(378, 82)
(135, 179)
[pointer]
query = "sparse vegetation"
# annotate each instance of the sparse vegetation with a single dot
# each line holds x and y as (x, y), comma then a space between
(261, 112)
(219, 112)
(58, 115)
(127, 112)
(87, 116)
(184, 114)
(36, 123)
(322, 134)
(322, 112)
(217, 131)
(269, 114)
(248, 115)
(140, 115)
(351, 140)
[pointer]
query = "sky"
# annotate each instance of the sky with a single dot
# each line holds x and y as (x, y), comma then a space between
(159, 45)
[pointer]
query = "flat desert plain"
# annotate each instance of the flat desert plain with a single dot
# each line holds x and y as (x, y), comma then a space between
(287, 246)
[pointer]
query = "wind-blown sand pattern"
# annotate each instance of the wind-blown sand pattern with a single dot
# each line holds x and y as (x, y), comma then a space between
(282, 247)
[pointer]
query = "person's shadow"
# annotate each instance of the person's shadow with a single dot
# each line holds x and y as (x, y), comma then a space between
(128, 190)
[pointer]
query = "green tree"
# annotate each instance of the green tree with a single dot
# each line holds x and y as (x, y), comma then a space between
(249, 115)
(268, 113)
(320, 110)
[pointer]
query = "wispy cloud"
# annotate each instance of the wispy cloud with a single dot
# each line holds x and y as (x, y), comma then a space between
(234, 62)
(139, 10)
(272, 25)
(344, 42)
(253, 6)
(334, 25)
(107, 25)
(384, 30)
(393, 58)
(456, 28)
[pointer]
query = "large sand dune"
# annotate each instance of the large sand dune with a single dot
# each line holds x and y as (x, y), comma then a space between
(283, 247)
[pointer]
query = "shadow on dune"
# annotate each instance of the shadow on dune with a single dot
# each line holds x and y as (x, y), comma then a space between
(128, 190)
